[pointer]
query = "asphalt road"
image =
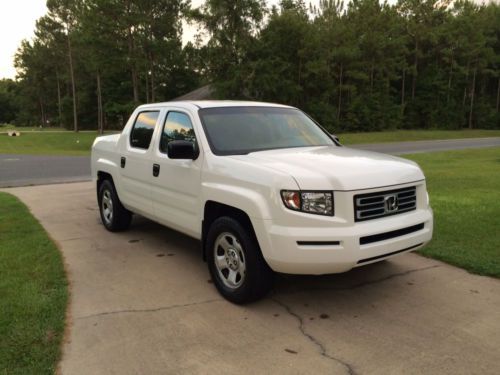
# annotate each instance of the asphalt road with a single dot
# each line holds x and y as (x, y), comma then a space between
(417, 147)
(142, 302)
(23, 170)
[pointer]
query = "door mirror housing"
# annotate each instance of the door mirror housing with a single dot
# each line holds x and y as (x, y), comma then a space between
(182, 150)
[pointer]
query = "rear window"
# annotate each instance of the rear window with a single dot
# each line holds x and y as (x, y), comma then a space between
(142, 131)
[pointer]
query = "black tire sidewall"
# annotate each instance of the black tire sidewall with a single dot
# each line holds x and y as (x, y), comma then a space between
(258, 274)
(106, 186)
(121, 216)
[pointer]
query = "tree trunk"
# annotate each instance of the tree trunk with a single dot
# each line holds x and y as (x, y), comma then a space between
(152, 83)
(466, 83)
(135, 84)
(340, 91)
(152, 79)
(300, 99)
(415, 72)
(100, 116)
(59, 105)
(403, 92)
(372, 74)
(73, 84)
(147, 86)
(42, 111)
(449, 82)
(131, 55)
(133, 70)
(300, 71)
(473, 89)
(498, 94)
(328, 75)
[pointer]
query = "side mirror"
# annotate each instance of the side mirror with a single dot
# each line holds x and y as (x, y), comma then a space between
(335, 138)
(182, 150)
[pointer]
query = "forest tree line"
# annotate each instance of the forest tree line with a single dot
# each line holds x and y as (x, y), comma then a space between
(358, 65)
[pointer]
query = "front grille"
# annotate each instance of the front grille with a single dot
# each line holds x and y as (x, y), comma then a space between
(384, 203)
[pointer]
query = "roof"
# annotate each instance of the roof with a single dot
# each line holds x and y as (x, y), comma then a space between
(214, 104)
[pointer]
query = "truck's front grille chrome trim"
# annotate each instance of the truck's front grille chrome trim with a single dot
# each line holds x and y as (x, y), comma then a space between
(392, 234)
(384, 203)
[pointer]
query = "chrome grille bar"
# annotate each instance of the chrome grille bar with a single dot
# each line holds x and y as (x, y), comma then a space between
(384, 203)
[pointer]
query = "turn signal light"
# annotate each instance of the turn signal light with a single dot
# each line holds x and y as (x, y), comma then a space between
(313, 202)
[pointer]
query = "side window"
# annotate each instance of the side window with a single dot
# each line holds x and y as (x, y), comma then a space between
(177, 127)
(143, 128)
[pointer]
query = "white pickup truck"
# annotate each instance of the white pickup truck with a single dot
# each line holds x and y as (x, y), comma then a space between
(264, 187)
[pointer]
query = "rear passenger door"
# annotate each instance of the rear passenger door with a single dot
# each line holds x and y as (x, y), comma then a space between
(176, 189)
(136, 151)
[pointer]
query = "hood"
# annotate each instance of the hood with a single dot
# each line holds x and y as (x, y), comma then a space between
(338, 168)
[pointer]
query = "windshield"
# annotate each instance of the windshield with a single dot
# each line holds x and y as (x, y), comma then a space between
(241, 130)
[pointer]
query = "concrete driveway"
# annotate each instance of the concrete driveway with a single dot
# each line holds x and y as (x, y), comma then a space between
(142, 303)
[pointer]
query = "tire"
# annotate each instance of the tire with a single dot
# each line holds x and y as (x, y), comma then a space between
(114, 216)
(235, 262)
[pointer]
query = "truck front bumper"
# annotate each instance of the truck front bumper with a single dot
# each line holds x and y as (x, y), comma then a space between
(316, 251)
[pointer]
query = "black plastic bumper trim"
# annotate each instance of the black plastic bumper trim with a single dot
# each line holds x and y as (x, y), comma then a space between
(388, 235)
(388, 254)
(318, 243)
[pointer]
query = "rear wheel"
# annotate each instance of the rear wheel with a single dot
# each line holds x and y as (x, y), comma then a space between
(114, 216)
(235, 262)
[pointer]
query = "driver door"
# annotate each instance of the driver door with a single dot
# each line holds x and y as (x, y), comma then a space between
(176, 188)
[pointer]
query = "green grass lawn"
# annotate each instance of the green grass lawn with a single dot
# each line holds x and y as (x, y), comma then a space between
(47, 143)
(464, 188)
(70, 143)
(33, 293)
(414, 135)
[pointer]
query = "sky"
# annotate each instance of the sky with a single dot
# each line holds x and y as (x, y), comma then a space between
(17, 22)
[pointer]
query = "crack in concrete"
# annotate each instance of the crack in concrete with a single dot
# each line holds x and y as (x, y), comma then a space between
(314, 340)
(363, 283)
(74, 238)
(134, 311)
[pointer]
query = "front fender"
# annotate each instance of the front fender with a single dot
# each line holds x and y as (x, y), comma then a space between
(252, 202)
(105, 157)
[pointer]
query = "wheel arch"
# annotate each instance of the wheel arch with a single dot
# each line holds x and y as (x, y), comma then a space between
(213, 210)
(103, 176)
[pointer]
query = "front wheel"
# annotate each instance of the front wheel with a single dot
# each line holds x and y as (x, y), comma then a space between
(235, 262)
(114, 216)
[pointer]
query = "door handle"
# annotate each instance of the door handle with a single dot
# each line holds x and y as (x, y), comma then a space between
(123, 161)
(156, 170)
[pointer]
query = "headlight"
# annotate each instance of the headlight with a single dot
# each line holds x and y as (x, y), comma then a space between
(313, 202)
